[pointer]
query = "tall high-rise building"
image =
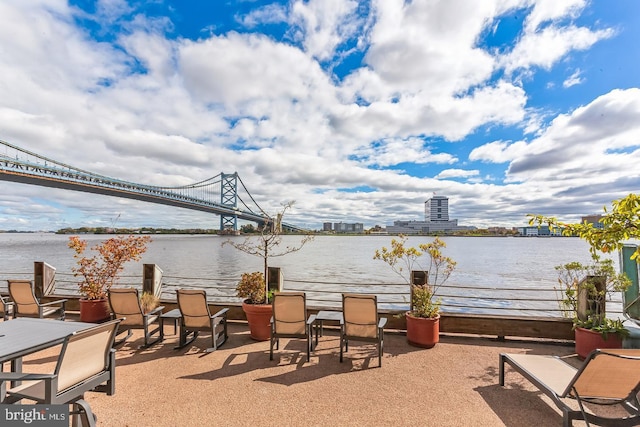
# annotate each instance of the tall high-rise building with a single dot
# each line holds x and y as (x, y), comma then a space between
(436, 220)
(436, 209)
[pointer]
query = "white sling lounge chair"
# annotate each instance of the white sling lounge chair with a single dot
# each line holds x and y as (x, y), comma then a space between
(606, 377)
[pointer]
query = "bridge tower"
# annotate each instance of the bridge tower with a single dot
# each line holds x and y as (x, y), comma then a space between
(229, 198)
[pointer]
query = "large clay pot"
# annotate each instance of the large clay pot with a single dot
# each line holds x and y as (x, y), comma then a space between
(259, 319)
(94, 310)
(423, 332)
(588, 340)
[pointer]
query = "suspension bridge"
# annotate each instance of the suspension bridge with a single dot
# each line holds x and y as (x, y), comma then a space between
(217, 195)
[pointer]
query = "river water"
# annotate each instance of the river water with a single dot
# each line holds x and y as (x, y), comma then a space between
(494, 275)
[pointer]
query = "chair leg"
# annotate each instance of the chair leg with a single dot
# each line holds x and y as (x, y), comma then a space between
(184, 337)
(271, 339)
(122, 340)
(83, 415)
(148, 335)
(501, 369)
(218, 338)
(380, 346)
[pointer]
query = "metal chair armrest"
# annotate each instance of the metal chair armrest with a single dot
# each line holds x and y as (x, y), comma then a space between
(157, 310)
(23, 376)
(382, 322)
(222, 312)
(311, 320)
(60, 301)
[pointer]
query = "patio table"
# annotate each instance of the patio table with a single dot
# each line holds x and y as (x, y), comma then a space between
(335, 316)
(23, 336)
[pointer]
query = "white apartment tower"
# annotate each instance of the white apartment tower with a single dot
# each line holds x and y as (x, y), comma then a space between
(436, 220)
(436, 209)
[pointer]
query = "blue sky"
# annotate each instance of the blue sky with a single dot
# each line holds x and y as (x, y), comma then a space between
(358, 111)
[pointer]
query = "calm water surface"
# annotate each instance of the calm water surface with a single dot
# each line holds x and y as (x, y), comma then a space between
(500, 275)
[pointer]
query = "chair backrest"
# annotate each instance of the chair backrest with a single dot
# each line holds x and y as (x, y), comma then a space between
(25, 301)
(194, 308)
(125, 303)
(360, 313)
(609, 374)
(290, 313)
(85, 354)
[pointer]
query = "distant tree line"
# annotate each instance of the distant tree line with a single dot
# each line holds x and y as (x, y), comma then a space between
(143, 230)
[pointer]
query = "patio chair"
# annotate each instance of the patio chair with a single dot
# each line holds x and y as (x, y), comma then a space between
(361, 322)
(125, 305)
(86, 363)
(6, 307)
(196, 317)
(606, 377)
(289, 320)
(27, 305)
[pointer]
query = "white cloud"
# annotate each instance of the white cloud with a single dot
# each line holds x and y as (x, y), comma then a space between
(457, 173)
(169, 111)
(553, 10)
(395, 151)
(498, 151)
(594, 145)
(573, 79)
(545, 48)
(269, 14)
(324, 25)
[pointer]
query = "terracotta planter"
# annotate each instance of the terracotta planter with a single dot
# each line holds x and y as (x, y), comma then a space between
(259, 319)
(423, 332)
(94, 310)
(588, 340)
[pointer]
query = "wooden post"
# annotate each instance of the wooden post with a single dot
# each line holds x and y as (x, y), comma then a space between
(44, 279)
(152, 279)
(275, 279)
(588, 304)
(418, 277)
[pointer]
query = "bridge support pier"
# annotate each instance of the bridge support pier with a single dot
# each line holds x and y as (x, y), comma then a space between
(229, 198)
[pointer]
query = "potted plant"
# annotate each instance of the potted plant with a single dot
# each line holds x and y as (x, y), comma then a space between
(620, 223)
(252, 287)
(148, 301)
(256, 304)
(423, 318)
(100, 271)
(583, 292)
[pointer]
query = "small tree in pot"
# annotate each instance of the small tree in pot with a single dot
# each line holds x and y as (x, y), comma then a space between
(583, 291)
(423, 319)
(620, 223)
(253, 287)
(100, 271)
